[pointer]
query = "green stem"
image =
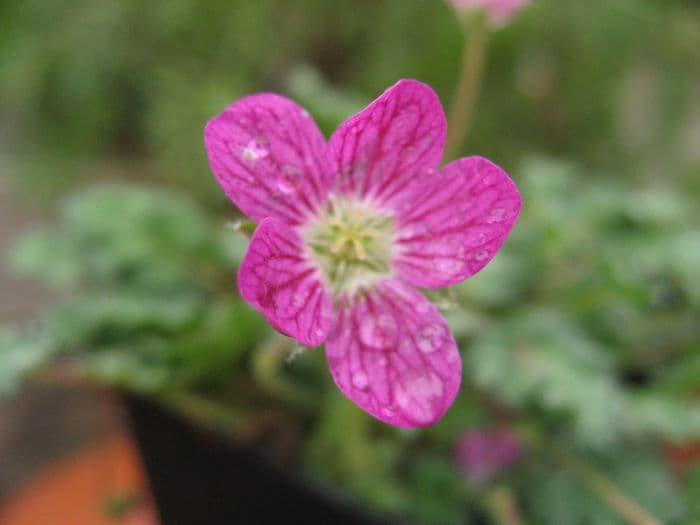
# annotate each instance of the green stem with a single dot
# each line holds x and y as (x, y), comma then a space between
(203, 410)
(605, 488)
(476, 36)
(266, 366)
(503, 507)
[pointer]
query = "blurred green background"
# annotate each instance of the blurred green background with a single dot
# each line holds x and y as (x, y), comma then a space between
(582, 336)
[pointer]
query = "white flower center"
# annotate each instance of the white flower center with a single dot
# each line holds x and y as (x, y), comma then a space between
(351, 241)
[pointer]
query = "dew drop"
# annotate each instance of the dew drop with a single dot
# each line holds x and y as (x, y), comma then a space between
(496, 215)
(414, 230)
(431, 338)
(319, 332)
(285, 186)
(258, 148)
(418, 394)
(287, 182)
(378, 332)
(422, 308)
(481, 255)
(298, 298)
(449, 265)
(388, 411)
(360, 380)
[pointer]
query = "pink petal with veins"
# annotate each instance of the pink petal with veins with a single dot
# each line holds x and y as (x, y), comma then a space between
(268, 156)
(277, 279)
(398, 137)
(454, 225)
(391, 352)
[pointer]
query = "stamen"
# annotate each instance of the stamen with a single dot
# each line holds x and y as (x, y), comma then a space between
(359, 249)
(338, 245)
(352, 243)
(356, 218)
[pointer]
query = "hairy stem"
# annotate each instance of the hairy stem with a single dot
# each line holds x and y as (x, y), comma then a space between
(476, 36)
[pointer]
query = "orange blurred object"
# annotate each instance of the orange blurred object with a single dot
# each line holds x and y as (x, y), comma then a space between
(103, 484)
(682, 456)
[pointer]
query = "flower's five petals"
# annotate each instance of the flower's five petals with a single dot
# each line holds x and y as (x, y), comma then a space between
(382, 149)
(457, 224)
(391, 352)
(277, 279)
(268, 156)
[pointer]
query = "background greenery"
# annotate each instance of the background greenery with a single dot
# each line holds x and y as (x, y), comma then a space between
(582, 336)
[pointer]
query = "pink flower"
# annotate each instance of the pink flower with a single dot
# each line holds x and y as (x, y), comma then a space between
(499, 12)
(484, 453)
(349, 228)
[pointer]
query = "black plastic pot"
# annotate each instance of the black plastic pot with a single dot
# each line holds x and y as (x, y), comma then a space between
(200, 478)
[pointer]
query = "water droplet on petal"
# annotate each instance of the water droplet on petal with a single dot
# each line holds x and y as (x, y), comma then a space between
(378, 332)
(285, 186)
(319, 332)
(495, 215)
(448, 265)
(258, 148)
(298, 298)
(431, 337)
(418, 394)
(414, 230)
(287, 182)
(360, 380)
(422, 307)
(388, 412)
(481, 255)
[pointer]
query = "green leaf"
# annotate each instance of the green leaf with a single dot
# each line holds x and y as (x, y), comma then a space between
(112, 316)
(692, 493)
(654, 413)
(18, 356)
(47, 255)
(343, 449)
(541, 358)
(436, 492)
(561, 497)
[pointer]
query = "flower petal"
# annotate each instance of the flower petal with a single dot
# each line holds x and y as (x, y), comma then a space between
(268, 156)
(456, 223)
(397, 138)
(280, 281)
(391, 352)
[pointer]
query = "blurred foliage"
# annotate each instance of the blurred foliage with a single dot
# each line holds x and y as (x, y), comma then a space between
(583, 330)
(148, 266)
(109, 80)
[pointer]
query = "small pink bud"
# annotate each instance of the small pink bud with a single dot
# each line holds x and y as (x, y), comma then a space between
(484, 453)
(499, 12)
